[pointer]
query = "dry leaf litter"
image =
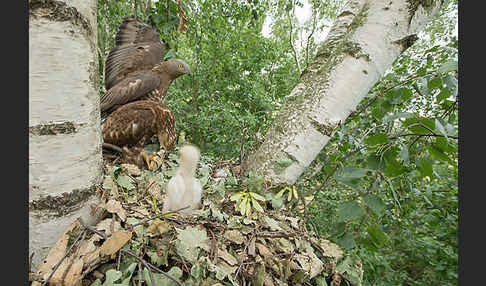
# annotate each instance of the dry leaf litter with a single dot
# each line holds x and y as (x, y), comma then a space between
(217, 245)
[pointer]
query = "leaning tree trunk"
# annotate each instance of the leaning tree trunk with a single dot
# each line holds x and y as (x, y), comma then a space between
(65, 160)
(364, 42)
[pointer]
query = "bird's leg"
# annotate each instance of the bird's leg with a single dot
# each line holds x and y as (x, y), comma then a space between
(148, 158)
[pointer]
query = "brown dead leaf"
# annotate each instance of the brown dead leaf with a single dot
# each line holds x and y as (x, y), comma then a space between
(115, 207)
(55, 255)
(139, 212)
(330, 249)
(268, 280)
(154, 189)
(74, 272)
(234, 236)
(230, 259)
(251, 247)
(263, 250)
(115, 242)
(131, 169)
(157, 227)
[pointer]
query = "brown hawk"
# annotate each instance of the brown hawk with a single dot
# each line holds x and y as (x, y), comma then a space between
(144, 84)
(133, 124)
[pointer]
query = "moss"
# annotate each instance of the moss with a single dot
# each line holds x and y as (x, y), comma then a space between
(414, 4)
(427, 4)
(63, 204)
(326, 129)
(407, 42)
(358, 20)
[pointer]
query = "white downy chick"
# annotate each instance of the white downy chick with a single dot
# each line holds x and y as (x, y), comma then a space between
(183, 188)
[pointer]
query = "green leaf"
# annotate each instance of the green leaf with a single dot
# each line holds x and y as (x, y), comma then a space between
(404, 154)
(438, 154)
(373, 162)
(425, 167)
(96, 283)
(321, 281)
(451, 83)
(236, 196)
(374, 203)
(294, 191)
(448, 66)
(189, 242)
(349, 174)
(257, 196)
(257, 206)
(254, 182)
(125, 182)
(400, 95)
(280, 193)
(440, 128)
(377, 235)
(112, 275)
(435, 82)
(397, 115)
(376, 139)
(346, 241)
(444, 94)
(393, 167)
(115, 171)
(169, 55)
(350, 210)
(161, 279)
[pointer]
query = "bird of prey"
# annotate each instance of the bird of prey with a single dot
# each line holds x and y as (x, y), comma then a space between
(138, 47)
(133, 124)
(148, 84)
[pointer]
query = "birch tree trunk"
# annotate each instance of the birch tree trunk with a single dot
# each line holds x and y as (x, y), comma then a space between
(363, 43)
(65, 161)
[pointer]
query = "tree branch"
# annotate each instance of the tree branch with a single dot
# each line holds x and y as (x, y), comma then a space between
(314, 21)
(290, 36)
(421, 135)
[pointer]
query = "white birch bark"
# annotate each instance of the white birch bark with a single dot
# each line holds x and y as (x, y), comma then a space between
(65, 161)
(364, 42)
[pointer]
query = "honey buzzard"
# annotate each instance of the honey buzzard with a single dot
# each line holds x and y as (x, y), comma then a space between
(145, 84)
(133, 124)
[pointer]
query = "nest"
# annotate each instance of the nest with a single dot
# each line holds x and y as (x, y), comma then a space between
(131, 243)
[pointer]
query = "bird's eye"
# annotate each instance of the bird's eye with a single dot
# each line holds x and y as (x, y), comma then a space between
(180, 66)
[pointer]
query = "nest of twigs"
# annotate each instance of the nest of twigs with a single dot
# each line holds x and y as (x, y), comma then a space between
(132, 243)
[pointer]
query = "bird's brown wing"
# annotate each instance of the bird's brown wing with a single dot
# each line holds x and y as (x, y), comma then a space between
(133, 31)
(130, 124)
(123, 60)
(133, 87)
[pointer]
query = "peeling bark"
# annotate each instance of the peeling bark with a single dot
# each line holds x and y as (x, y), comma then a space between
(65, 162)
(364, 42)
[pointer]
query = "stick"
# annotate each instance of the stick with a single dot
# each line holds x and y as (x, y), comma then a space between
(92, 229)
(112, 147)
(156, 216)
(150, 266)
(64, 257)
